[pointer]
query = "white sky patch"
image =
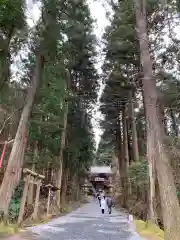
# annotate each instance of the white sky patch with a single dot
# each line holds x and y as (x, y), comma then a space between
(33, 12)
(98, 12)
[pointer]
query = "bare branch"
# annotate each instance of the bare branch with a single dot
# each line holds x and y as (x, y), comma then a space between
(4, 124)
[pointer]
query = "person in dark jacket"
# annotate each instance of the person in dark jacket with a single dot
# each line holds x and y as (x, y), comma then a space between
(109, 203)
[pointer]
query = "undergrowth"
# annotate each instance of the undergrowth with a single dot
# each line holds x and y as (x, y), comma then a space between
(11, 229)
(8, 229)
(149, 231)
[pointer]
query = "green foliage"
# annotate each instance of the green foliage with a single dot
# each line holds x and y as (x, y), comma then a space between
(80, 138)
(104, 154)
(64, 37)
(138, 173)
(178, 193)
(12, 16)
(69, 75)
(14, 207)
(12, 35)
(119, 70)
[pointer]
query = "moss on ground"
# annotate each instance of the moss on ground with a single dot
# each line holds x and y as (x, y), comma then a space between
(149, 231)
(8, 229)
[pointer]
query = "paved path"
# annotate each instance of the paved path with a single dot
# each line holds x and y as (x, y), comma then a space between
(87, 223)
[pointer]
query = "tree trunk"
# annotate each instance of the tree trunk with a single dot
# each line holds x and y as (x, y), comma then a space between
(5, 58)
(162, 117)
(151, 213)
(65, 177)
(152, 177)
(77, 192)
(119, 145)
(120, 154)
(134, 130)
(125, 161)
(125, 136)
(62, 145)
(31, 185)
(174, 123)
(13, 171)
(169, 200)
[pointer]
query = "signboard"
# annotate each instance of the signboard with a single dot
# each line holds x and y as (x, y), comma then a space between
(98, 179)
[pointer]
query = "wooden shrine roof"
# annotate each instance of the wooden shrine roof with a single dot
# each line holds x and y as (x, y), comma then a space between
(101, 170)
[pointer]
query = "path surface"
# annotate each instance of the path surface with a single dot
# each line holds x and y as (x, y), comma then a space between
(87, 223)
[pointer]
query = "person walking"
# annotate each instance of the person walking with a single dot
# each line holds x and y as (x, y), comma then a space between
(103, 204)
(109, 204)
(99, 199)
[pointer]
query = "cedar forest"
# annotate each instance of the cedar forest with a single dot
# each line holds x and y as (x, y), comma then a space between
(46, 108)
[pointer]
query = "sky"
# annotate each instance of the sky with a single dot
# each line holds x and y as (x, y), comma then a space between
(98, 12)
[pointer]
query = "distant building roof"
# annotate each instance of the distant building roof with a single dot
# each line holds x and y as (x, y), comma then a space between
(101, 169)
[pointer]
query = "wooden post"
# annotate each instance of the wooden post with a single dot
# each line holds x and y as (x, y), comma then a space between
(31, 188)
(30, 194)
(37, 199)
(30, 191)
(23, 200)
(48, 202)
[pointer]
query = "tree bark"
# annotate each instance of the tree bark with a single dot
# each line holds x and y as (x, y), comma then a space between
(120, 151)
(62, 145)
(162, 117)
(125, 136)
(31, 185)
(174, 123)
(119, 142)
(125, 160)
(13, 171)
(151, 213)
(155, 129)
(134, 130)
(65, 178)
(152, 177)
(5, 58)
(119, 145)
